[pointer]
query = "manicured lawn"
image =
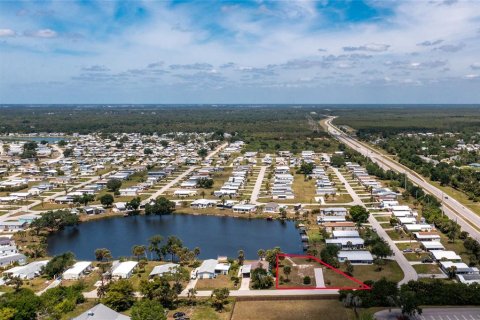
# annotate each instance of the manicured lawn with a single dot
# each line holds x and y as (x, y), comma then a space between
(390, 270)
(49, 206)
(382, 218)
(221, 281)
(289, 309)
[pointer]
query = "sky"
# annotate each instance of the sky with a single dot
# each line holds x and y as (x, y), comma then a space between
(354, 51)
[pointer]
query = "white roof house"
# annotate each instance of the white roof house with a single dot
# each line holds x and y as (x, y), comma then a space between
(207, 269)
(124, 270)
(28, 271)
(345, 234)
(432, 245)
(163, 269)
(77, 270)
(447, 255)
(355, 257)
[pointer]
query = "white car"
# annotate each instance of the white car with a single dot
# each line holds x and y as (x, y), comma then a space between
(193, 274)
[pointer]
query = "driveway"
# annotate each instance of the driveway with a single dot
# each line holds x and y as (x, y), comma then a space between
(320, 283)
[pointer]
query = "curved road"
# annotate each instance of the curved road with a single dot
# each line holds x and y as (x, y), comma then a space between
(466, 218)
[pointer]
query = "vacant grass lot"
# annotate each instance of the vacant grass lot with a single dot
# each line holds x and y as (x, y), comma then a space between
(289, 309)
(427, 268)
(390, 270)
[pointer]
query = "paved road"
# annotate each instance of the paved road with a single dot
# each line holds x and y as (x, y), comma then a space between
(463, 313)
(258, 185)
(409, 272)
(465, 217)
(183, 175)
(276, 293)
(27, 208)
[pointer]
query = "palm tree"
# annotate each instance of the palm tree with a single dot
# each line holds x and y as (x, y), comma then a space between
(191, 294)
(287, 270)
(154, 245)
(261, 254)
(241, 257)
(103, 254)
(138, 251)
(196, 251)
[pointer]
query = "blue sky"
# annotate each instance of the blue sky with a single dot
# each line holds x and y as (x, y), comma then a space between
(355, 51)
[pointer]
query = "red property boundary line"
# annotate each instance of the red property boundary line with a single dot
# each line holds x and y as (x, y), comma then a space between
(362, 286)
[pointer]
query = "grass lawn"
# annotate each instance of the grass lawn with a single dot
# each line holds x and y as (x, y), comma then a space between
(295, 278)
(427, 268)
(49, 206)
(459, 196)
(397, 235)
(382, 218)
(304, 191)
(339, 198)
(390, 270)
(289, 309)
(221, 281)
(414, 245)
(203, 312)
(411, 256)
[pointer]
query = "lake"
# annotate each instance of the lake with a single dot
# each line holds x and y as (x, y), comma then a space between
(216, 236)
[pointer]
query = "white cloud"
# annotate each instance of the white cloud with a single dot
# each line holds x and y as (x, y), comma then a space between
(7, 33)
(42, 33)
(371, 47)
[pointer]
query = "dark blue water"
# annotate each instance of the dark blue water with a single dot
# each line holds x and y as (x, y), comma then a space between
(216, 236)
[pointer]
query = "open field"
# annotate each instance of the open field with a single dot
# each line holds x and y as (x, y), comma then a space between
(289, 309)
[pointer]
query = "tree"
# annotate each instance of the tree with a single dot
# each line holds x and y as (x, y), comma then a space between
(287, 270)
(452, 272)
(60, 300)
(147, 151)
(147, 310)
(191, 294)
(172, 246)
(307, 280)
(349, 267)
(159, 290)
(134, 204)
(138, 251)
(29, 150)
(241, 257)
(337, 160)
(106, 200)
(261, 254)
(68, 152)
(260, 279)
(23, 303)
(203, 152)
(119, 295)
(160, 206)
(205, 183)
(409, 303)
(381, 249)
(154, 245)
(58, 264)
(103, 254)
(114, 185)
(359, 214)
(219, 298)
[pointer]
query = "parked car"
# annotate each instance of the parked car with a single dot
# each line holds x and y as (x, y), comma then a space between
(177, 315)
(408, 250)
(427, 260)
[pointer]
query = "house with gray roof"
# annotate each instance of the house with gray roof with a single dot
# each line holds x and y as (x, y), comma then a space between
(101, 312)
